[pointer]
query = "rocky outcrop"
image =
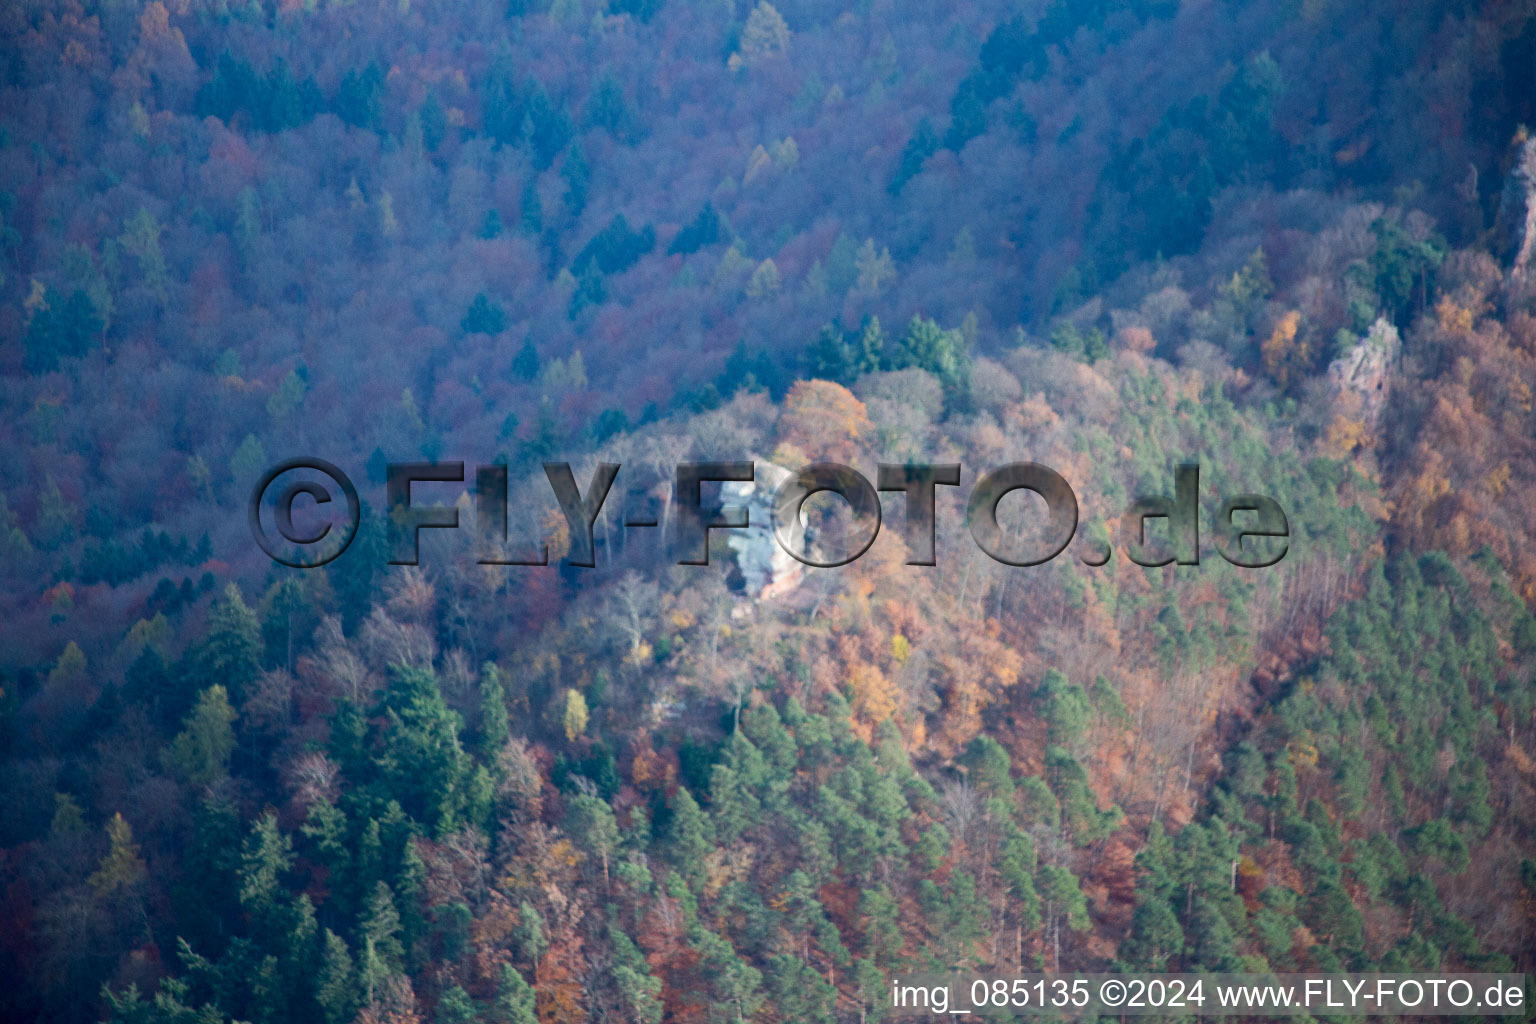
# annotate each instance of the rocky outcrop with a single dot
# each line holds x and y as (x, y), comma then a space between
(1367, 369)
(767, 570)
(1517, 210)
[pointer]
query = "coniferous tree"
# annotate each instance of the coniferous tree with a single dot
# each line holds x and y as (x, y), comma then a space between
(379, 931)
(456, 1007)
(494, 726)
(514, 998)
(335, 982)
(526, 363)
(484, 316)
(62, 328)
(230, 656)
(591, 821)
(200, 753)
(690, 837)
(531, 937)
(266, 856)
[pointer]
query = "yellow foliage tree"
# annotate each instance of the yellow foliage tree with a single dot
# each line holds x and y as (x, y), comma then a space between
(575, 717)
(874, 695)
(1283, 354)
(1345, 435)
(122, 867)
(1453, 317)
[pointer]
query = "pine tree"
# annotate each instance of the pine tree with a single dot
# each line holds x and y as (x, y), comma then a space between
(923, 143)
(1017, 866)
(703, 231)
(455, 1007)
(591, 821)
(1064, 902)
(577, 175)
(530, 936)
(798, 992)
(689, 836)
(1156, 937)
(764, 282)
(882, 933)
(991, 769)
(514, 999)
(380, 928)
(729, 979)
(1213, 943)
(484, 316)
(927, 346)
(734, 807)
(360, 97)
(590, 289)
(526, 363)
(61, 328)
(874, 992)
(932, 846)
(638, 989)
(494, 723)
(1069, 780)
(501, 103)
(353, 576)
(490, 227)
(1065, 708)
(231, 654)
(68, 818)
(829, 357)
(547, 128)
(410, 883)
(422, 761)
(335, 982)
(266, 856)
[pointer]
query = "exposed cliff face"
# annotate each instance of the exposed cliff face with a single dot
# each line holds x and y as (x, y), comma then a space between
(1366, 371)
(767, 570)
(1517, 210)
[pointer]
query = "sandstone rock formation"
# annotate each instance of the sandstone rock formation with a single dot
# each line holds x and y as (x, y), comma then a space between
(1517, 209)
(767, 570)
(1366, 370)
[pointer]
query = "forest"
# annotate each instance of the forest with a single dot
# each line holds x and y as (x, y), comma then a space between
(1290, 241)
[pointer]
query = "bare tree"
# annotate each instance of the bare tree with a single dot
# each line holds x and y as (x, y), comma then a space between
(661, 455)
(635, 599)
(410, 595)
(397, 643)
(334, 667)
(313, 778)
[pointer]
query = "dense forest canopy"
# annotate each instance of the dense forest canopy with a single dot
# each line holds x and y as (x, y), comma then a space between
(1289, 240)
